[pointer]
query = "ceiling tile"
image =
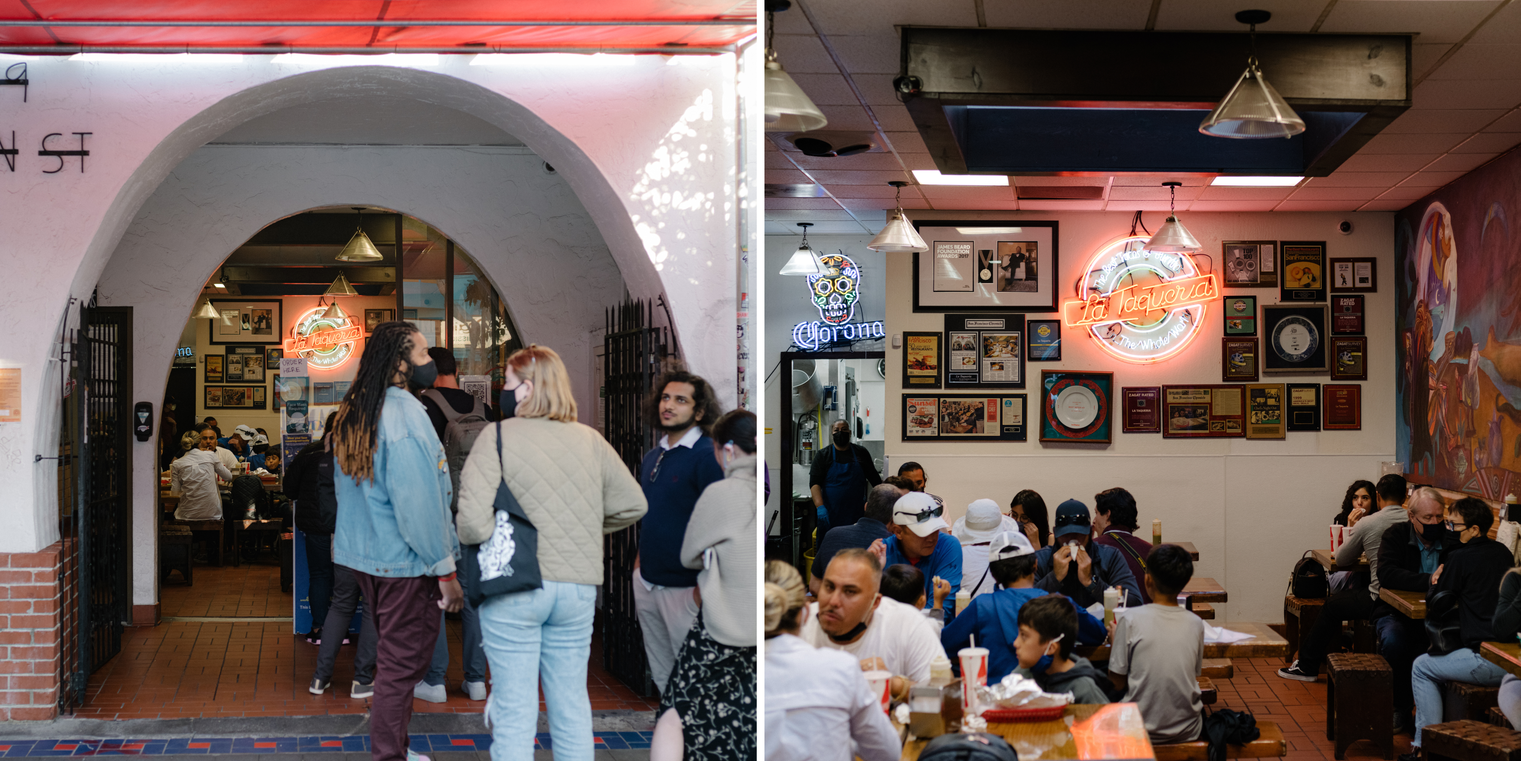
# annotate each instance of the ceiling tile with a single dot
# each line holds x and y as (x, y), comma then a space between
(1407, 193)
(777, 228)
(1318, 206)
(907, 142)
(879, 161)
(817, 228)
(1388, 162)
(845, 177)
(851, 117)
(894, 118)
(1510, 122)
(1128, 193)
(872, 204)
(877, 18)
(1038, 180)
(1417, 142)
(801, 54)
(1504, 27)
(1454, 120)
(1489, 142)
(1131, 205)
(826, 89)
(786, 177)
(1433, 178)
(939, 193)
(794, 22)
(1007, 204)
(1473, 61)
(869, 191)
(1435, 20)
(877, 89)
(917, 160)
(1069, 14)
(1237, 205)
(1459, 162)
(800, 203)
(1215, 16)
(1340, 179)
(775, 159)
(802, 215)
(1335, 194)
(1033, 205)
(1380, 204)
(868, 55)
(1474, 93)
(1156, 180)
(1244, 194)
(1424, 56)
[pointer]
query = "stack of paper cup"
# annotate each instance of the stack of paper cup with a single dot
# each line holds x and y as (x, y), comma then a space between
(974, 674)
(881, 686)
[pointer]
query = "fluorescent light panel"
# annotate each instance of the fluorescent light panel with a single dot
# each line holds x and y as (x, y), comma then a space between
(1256, 182)
(934, 177)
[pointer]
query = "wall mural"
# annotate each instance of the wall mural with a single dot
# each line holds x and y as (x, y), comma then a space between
(1459, 334)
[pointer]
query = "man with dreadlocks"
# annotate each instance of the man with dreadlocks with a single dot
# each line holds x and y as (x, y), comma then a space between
(394, 528)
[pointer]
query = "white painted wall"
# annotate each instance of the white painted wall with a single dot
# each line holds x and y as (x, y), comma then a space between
(644, 143)
(1251, 507)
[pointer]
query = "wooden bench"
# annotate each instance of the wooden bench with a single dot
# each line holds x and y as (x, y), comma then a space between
(1204, 610)
(1269, 744)
(1299, 617)
(1359, 701)
(1218, 668)
(176, 552)
(1470, 741)
(1207, 692)
(1497, 718)
(1461, 700)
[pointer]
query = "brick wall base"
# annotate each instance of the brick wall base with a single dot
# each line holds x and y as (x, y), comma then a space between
(29, 634)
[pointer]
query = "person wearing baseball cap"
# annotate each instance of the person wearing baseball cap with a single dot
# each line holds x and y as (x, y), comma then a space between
(920, 539)
(994, 618)
(1078, 567)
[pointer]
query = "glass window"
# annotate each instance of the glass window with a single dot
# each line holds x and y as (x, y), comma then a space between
(483, 334)
(425, 259)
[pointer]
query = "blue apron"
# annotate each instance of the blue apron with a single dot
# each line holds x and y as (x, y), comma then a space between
(845, 490)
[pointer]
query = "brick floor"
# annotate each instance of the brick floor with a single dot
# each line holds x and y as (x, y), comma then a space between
(188, 669)
(1298, 708)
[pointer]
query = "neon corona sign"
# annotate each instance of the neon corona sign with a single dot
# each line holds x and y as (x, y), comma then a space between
(812, 335)
(326, 343)
(1139, 305)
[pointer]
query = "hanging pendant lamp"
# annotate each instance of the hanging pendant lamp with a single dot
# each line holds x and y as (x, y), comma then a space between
(206, 311)
(341, 287)
(1172, 236)
(804, 261)
(1252, 109)
(359, 248)
(788, 108)
(899, 234)
(334, 313)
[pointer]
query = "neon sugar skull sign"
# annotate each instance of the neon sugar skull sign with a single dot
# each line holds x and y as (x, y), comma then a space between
(836, 291)
(1140, 305)
(324, 342)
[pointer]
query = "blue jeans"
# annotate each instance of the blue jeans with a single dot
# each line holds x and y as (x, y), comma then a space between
(542, 637)
(474, 656)
(1461, 665)
(319, 569)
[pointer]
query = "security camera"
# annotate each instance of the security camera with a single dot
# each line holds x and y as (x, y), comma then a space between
(548, 168)
(1344, 227)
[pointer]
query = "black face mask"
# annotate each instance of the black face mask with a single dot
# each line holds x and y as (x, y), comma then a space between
(1430, 532)
(423, 375)
(508, 402)
(841, 438)
(850, 635)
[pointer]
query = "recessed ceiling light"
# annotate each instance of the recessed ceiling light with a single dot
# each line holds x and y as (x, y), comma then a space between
(218, 285)
(934, 177)
(1256, 182)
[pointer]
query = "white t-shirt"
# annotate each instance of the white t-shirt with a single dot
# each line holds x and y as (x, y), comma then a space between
(898, 634)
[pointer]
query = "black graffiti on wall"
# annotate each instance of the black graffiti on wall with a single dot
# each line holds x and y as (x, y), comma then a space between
(59, 154)
(15, 74)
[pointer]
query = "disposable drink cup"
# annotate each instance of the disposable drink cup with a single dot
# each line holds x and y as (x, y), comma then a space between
(963, 599)
(1156, 531)
(974, 674)
(881, 686)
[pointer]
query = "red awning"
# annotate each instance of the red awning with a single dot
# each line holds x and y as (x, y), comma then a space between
(460, 26)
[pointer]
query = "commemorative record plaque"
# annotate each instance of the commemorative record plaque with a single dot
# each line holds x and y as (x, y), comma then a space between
(1142, 409)
(1075, 406)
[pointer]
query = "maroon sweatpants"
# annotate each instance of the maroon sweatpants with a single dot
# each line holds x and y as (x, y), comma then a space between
(407, 620)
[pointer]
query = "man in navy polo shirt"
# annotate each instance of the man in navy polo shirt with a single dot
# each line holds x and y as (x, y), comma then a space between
(673, 475)
(919, 541)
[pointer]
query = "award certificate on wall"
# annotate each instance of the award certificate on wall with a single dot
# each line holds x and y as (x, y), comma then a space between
(1265, 411)
(1143, 409)
(1199, 412)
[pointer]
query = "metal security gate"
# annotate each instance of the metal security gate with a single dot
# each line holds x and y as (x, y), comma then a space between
(634, 351)
(94, 495)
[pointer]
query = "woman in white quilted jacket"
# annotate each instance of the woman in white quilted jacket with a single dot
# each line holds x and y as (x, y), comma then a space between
(574, 489)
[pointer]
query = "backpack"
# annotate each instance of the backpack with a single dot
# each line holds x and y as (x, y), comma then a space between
(459, 436)
(1308, 581)
(968, 746)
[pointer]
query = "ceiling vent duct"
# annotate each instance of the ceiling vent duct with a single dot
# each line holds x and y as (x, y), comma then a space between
(831, 144)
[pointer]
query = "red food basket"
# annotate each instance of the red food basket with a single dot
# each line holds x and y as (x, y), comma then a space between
(1017, 715)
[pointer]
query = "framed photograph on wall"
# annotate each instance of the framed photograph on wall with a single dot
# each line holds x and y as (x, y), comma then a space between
(1076, 407)
(247, 322)
(373, 317)
(1240, 315)
(1349, 358)
(1347, 315)
(215, 369)
(1265, 410)
(1303, 266)
(1358, 275)
(1238, 359)
(1044, 340)
(1304, 407)
(1296, 339)
(1249, 263)
(235, 398)
(922, 363)
(999, 417)
(1204, 412)
(984, 265)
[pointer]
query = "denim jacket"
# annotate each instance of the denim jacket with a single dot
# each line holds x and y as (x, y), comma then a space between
(398, 525)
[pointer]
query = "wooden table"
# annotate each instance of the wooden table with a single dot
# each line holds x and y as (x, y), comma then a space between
(1114, 731)
(1202, 590)
(1411, 604)
(1193, 552)
(1506, 655)
(1327, 560)
(1265, 643)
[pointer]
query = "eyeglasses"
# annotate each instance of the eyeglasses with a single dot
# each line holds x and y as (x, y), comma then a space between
(1454, 526)
(925, 514)
(1072, 520)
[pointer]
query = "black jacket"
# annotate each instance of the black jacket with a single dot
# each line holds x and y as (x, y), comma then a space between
(1507, 620)
(820, 470)
(309, 481)
(1399, 558)
(1474, 571)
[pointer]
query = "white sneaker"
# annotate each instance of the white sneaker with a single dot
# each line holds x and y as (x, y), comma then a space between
(475, 690)
(362, 690)
(415, 756)
(430, 692)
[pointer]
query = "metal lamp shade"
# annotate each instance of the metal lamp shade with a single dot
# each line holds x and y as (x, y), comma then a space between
(803, 262)
(341, 287)
(1173, 237)
(207, 311)
(898, 235)
(334, 313)
(1252, 109)
(788, 108)
(359, 249)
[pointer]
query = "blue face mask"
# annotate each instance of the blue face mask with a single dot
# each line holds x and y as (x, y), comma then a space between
(1041, 665)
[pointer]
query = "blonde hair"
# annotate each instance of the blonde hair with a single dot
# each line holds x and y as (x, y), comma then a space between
(552, 396)
(784, 597)
(189, 441)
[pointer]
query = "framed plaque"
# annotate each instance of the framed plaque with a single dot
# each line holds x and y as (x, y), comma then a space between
(1303, 266)
(1347, 315)
(984, 351)
(1142, 410)
(1265, 411)
(982, 265)
(214, 369)
(1358, 275)
(922, 363)
(1296, 339)
(1343, 407)
(1249, 264)
(1075, 407)
(1203, 412)
(1045, 340)
(1240, 315)
(1238, 359)
(1304, 407)
(250, 360)
(1349, 358)
(959, 417)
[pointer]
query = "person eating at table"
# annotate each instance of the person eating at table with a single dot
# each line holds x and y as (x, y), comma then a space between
(1029, 509)
(1408, 555)
(1078, 567)
(1358, 603)
(994, 618)
(1114, 525)
(1047, 633)
(919, 540)
(975, 531)
(883, 634)
(1471, 575)
(194, 478)
(871, 527)
(1158, 652)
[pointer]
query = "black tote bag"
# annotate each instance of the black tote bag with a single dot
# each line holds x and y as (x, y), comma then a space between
(508, 562)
